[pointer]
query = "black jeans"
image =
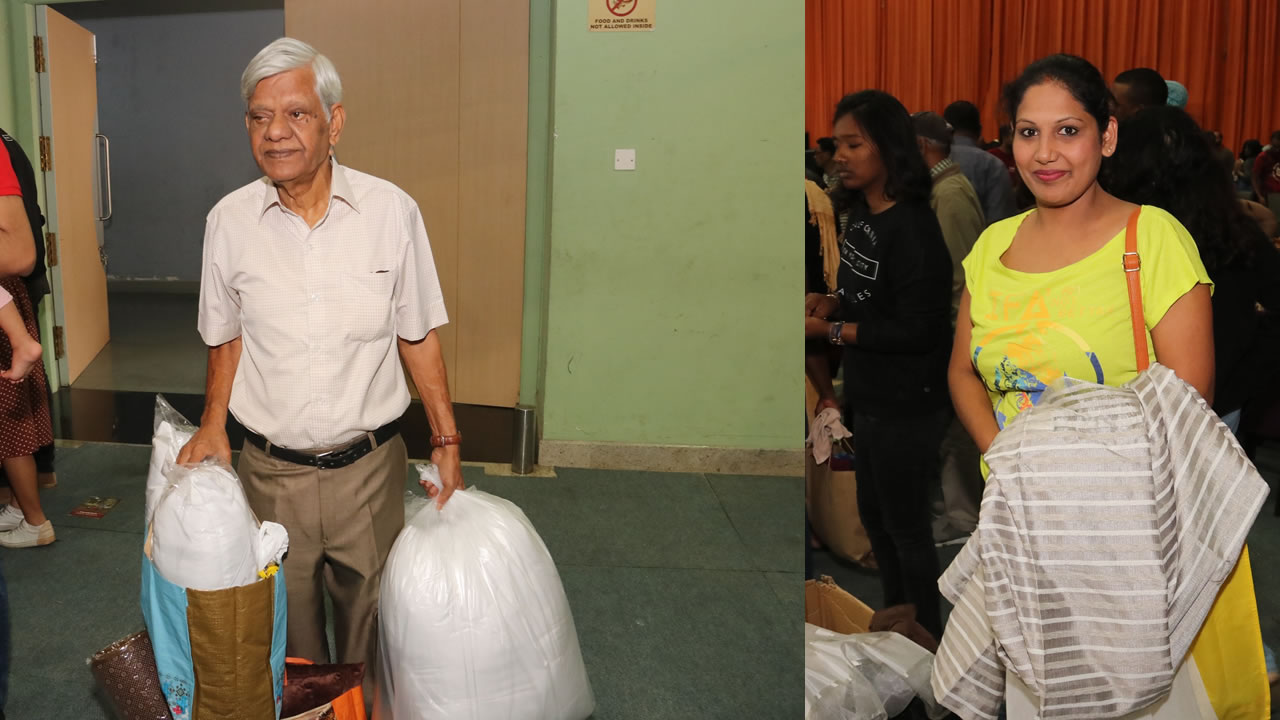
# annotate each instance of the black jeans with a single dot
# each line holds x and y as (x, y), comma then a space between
(896, 460)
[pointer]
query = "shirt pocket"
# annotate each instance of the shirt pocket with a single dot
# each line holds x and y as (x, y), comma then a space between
(368, 295)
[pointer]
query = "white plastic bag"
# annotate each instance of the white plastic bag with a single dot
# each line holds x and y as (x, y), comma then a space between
(473, 619)
(171, 431)
(867, 676)
(203, 534)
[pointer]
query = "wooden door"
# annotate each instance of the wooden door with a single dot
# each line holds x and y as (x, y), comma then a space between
(436, 93)
(69, 118)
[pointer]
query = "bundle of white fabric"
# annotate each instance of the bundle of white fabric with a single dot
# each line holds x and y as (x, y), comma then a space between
(202, 533)
(473, 619)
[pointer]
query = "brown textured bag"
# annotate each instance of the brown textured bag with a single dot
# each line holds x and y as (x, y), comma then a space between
(125, 672)
(322, 692)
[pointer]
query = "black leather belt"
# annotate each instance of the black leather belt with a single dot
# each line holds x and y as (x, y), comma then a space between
(333, 459)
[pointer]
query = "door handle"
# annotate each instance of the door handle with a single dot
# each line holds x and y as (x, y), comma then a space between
(106, 166)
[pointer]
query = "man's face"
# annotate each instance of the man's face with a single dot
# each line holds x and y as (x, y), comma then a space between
(1125, 104)
(288, 132)
(822, 157)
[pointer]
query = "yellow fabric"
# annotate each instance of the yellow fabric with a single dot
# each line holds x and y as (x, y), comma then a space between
(1030, 329)
(823, 215)
(1228, 650)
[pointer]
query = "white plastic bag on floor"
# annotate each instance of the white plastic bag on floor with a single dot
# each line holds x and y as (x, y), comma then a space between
(473, 619)
(171, 431)
(867, 676)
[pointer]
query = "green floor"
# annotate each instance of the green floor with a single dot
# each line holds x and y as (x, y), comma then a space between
(686, 589)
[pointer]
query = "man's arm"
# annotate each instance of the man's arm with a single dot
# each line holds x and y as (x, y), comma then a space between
(17, 244)
(211, 439)
(425, 363)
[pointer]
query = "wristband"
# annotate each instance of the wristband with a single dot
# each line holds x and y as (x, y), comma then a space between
(836, 336)
(442, 440)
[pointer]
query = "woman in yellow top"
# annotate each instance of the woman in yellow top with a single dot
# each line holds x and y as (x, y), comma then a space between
(1045, 295)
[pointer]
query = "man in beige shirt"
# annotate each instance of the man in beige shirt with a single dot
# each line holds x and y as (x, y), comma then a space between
(317, 282)
(959, 213)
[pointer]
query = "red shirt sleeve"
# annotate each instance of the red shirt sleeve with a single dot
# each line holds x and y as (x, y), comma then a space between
(1262, 165)
(8, 178)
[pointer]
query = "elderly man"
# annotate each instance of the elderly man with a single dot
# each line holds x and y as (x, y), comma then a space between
(317, 281)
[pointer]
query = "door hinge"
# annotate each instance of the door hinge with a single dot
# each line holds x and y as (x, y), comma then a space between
(39, 49)
(59, 343)
(51, 252)
(46, 153)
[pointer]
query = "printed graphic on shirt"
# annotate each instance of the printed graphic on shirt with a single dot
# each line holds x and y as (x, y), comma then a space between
(1025, 358)
(860, 264)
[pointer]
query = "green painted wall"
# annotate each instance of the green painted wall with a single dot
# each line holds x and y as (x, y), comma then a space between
(674, 290)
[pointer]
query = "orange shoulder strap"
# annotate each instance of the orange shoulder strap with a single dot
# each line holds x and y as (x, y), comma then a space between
(1132, 272)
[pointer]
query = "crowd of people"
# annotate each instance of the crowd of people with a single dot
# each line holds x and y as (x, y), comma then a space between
(968, 277)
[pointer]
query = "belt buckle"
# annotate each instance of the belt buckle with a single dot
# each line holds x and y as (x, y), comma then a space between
(325, 461)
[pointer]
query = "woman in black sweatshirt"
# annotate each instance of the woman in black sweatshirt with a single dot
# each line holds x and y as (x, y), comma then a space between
(1163, 159)
(891, 314)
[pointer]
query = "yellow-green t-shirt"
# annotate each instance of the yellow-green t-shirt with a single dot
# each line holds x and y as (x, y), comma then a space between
(1030, 329)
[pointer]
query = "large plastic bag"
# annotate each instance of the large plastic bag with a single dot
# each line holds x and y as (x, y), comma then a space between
(867, 676)
(474, 622)
(171, 431)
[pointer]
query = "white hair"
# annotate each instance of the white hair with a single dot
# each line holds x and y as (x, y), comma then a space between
(287, 54)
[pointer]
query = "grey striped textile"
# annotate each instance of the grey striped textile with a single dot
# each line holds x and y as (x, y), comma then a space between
(1111, 517)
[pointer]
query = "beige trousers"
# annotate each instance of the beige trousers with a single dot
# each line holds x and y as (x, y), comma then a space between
(341, 526)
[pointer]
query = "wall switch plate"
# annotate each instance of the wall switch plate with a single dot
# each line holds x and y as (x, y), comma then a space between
(624, 159)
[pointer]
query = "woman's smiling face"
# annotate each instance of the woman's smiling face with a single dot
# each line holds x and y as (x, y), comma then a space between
(1057, 144)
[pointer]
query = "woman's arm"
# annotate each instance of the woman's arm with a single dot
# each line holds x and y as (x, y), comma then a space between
(968, 393)
(817, 367)
(1183, 340)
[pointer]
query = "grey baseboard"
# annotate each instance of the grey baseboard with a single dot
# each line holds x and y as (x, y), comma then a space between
(670, 458)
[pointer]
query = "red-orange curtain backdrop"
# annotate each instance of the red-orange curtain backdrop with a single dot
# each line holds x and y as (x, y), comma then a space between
(929, 53)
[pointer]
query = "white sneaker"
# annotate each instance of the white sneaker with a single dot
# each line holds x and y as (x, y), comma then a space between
(28, 535)
(10, 518)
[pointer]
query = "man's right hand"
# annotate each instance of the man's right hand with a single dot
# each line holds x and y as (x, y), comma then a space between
(208, 442)
(819, 305)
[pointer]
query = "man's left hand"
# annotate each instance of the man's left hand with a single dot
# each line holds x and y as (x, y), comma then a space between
(449, 460)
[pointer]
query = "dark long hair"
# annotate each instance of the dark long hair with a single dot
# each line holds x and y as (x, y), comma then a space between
(887, 125)
(1164, 159)
(1076, 74)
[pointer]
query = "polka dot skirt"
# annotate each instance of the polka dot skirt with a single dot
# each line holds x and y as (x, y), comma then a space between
(25, 424)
